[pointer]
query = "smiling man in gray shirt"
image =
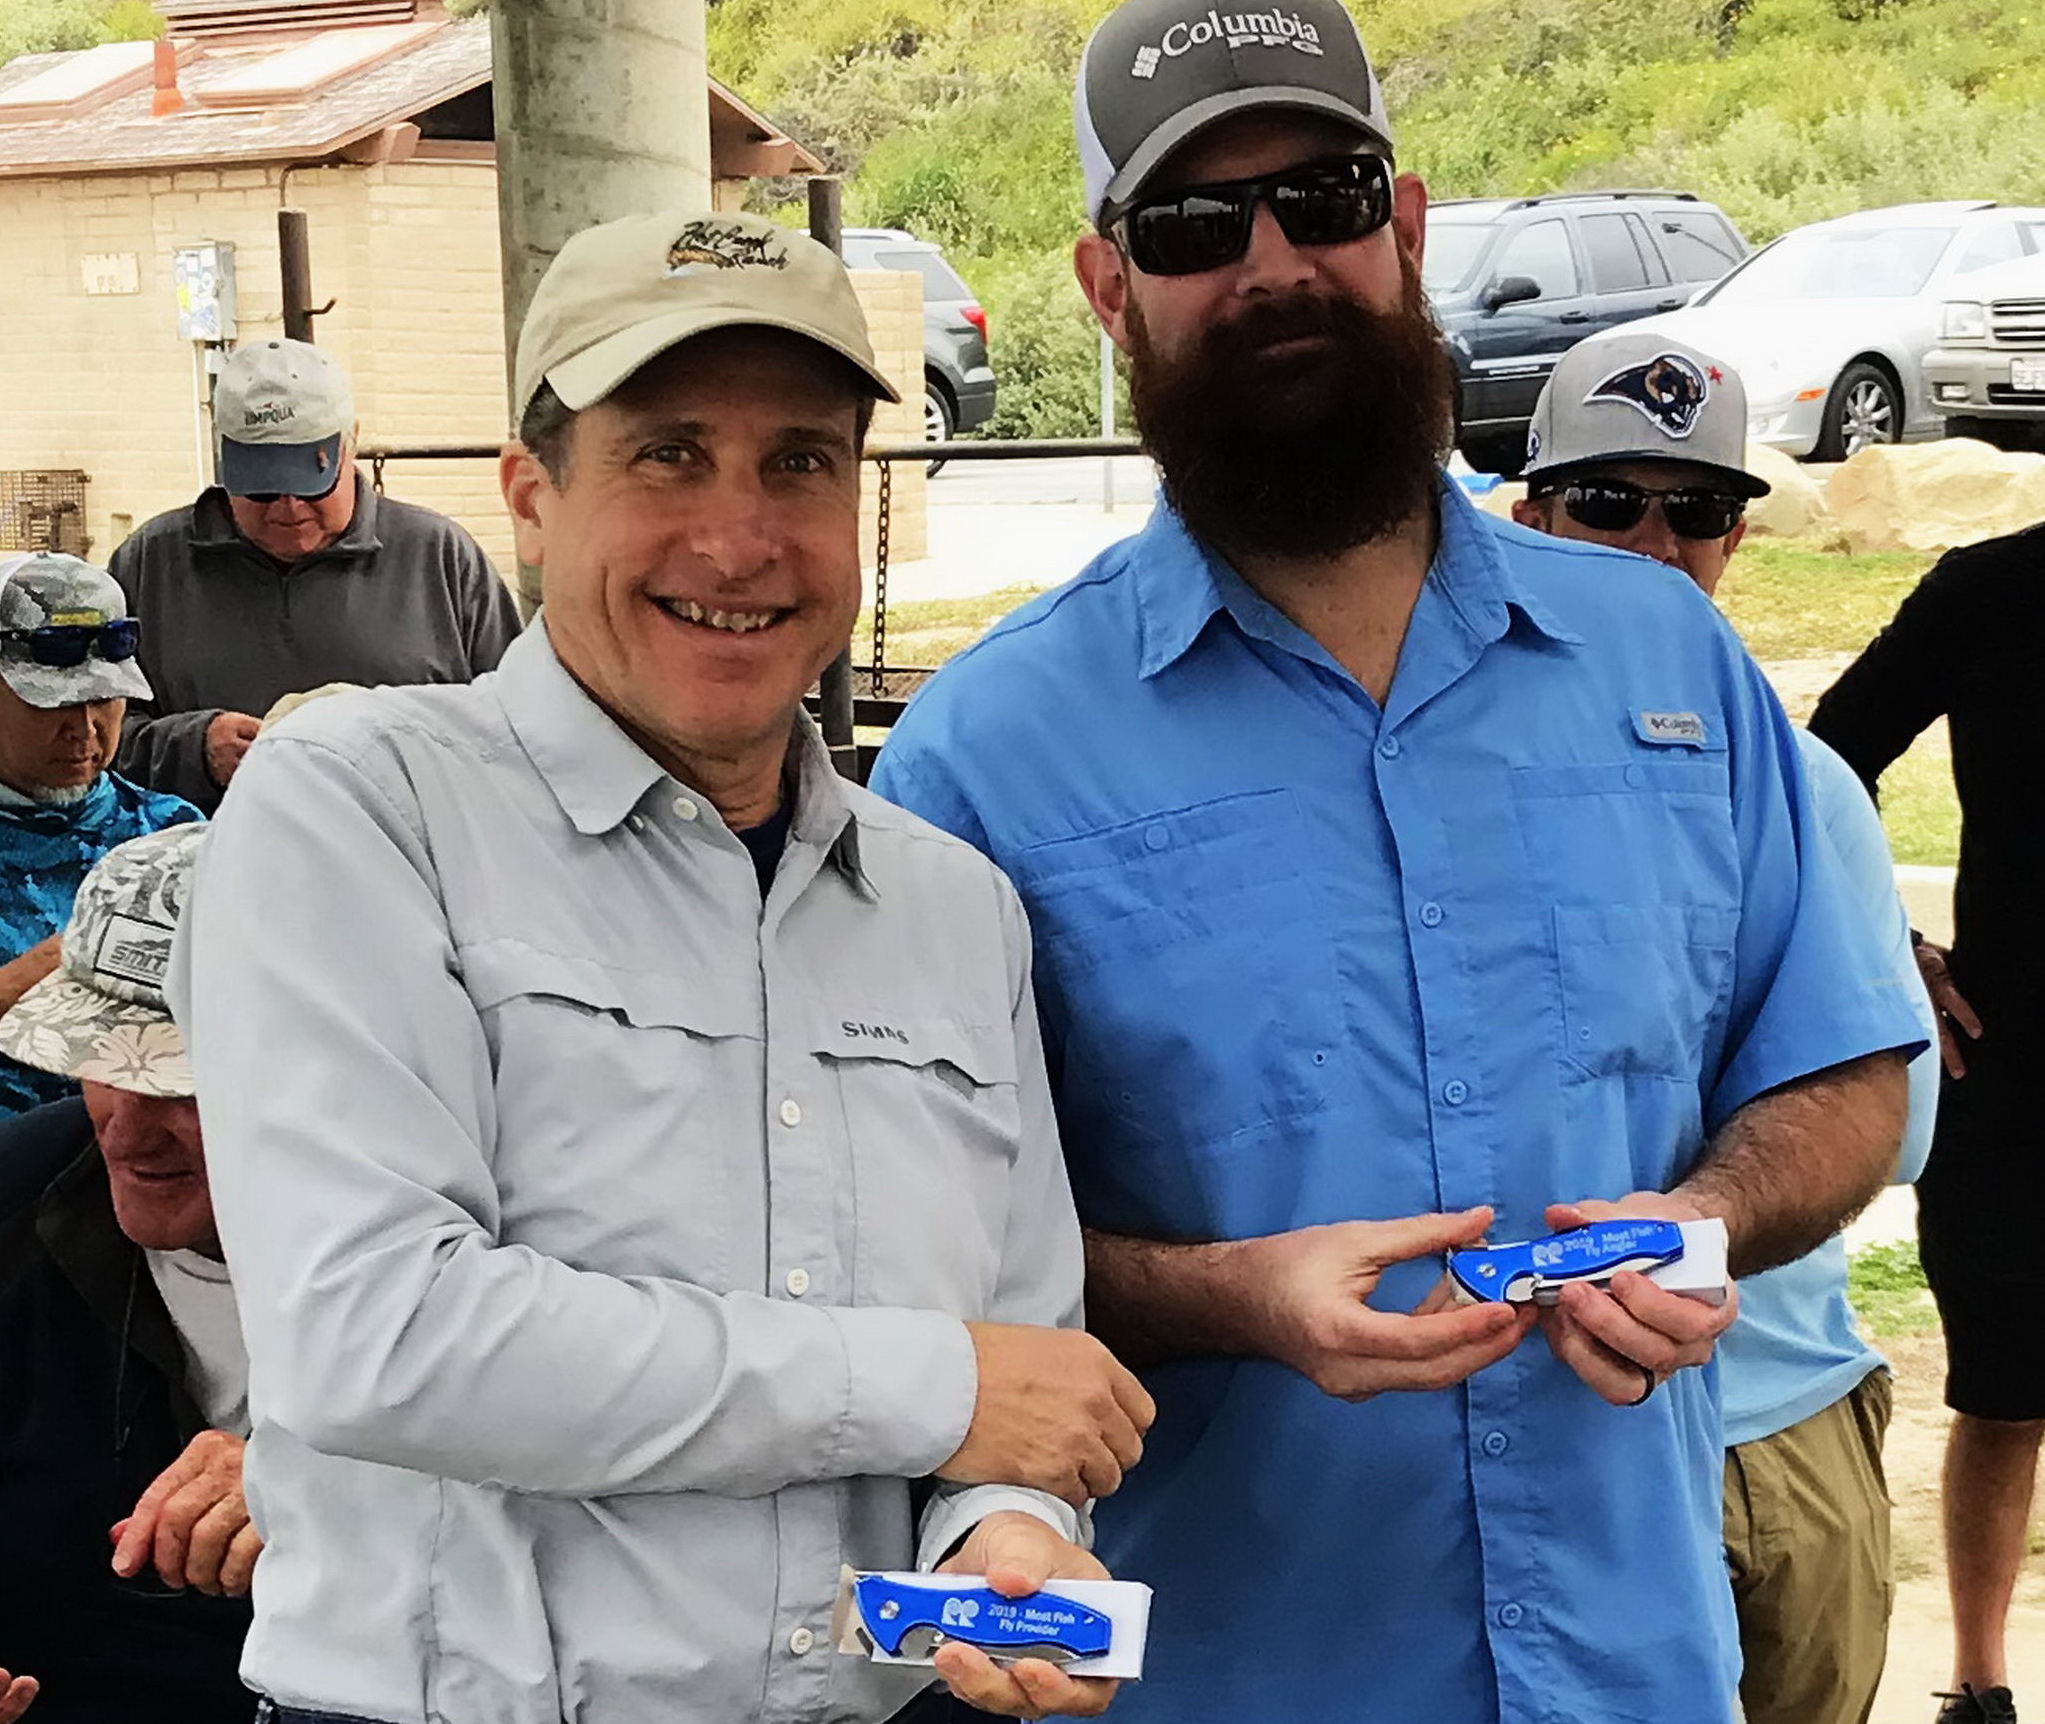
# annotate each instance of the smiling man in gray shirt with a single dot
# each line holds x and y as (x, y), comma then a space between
(632, 1142)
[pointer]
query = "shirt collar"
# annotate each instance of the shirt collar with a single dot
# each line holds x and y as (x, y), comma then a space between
(213, 527)
(1182, 584)
(599, 775)
(59, 817)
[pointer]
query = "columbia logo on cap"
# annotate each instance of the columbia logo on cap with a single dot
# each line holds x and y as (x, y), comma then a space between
(720, 245)
(1236, 29)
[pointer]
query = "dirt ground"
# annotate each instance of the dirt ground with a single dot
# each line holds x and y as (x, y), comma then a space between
(1920, 1637)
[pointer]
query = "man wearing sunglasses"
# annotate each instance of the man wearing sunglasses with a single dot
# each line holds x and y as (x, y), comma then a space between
(1638, 442)
(1397, 876)
(289, 574)
(67, 673)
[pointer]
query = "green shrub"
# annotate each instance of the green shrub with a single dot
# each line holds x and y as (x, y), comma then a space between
(1046, 348)
(1887, 1286)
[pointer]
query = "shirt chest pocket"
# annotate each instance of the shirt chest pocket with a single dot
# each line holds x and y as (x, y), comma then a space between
(628, 1111)
(932, 1120)
(1633, 868)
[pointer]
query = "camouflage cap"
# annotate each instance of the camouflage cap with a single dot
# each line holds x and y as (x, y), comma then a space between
(101, 1014)
(49, 589)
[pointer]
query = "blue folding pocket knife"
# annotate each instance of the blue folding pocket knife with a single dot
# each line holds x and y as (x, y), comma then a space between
(1538, 1269)
(911, 1621)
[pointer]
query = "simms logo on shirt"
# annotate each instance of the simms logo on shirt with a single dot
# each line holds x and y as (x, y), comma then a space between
(874, 1032)
(1273, 29)
(1672, 727)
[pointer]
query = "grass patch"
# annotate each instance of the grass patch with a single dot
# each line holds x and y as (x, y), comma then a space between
(1795, 601)
(1886, 1284)
(929, 631)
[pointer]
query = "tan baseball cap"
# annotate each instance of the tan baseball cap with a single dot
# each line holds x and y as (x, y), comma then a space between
(618, 294)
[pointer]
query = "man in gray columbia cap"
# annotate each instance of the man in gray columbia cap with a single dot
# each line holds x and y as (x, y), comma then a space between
(291, 573)
(1390, 890)
(632, 1140)
(67, 673)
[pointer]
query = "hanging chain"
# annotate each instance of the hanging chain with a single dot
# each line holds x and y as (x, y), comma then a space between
(880, 580)
(376, 474)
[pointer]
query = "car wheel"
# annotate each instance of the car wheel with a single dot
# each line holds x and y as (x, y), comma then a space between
(937, 420)
(1864, 408)
(1495, 452)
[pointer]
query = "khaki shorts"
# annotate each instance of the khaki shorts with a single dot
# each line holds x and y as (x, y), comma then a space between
(1807, 1540)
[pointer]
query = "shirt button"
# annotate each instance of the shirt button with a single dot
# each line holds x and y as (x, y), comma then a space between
(686, 807)
(1509, 1615)
(636, 821)
(1389, 748)
(1455, 1092)
(798, 1282)
(1496, 1443)
(801, 1641)
(1430, 915)
(791, 1112)
(1635, 778)
(1157, 838)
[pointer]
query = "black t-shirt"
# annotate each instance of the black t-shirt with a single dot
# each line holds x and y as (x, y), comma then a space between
(766, 841)
(1968, 645)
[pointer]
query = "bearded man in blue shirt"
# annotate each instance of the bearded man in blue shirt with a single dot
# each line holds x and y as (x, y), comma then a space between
(1397, 876)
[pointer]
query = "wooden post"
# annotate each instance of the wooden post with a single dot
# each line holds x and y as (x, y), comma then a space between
(827, 228)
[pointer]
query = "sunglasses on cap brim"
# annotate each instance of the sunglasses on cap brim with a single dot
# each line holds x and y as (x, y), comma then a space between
(1617, 506)
(66, 646)
(1334, 201)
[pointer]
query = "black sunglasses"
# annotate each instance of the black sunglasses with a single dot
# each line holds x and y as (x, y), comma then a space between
(64, 646)
(1200, 228)
(1616, 506)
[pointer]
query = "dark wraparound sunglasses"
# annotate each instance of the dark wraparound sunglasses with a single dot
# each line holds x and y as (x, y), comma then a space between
(65, 646)
(1615, 506)
(1199, 228)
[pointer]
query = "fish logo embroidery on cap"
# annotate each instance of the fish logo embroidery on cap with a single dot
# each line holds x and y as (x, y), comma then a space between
(718, 245)
(1669, 391)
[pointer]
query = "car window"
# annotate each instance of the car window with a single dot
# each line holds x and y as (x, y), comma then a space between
(1840, 263)
(1615, 260)
(1540, 250)
(1699, 247)
(940, 281)
(1657, 271)
(1997, 242)
(1453, 249)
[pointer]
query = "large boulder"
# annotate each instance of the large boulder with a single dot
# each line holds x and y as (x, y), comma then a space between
(1933, 496)
(1795, 506)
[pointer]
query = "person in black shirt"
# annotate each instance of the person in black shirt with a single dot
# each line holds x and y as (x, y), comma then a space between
(1969, 645)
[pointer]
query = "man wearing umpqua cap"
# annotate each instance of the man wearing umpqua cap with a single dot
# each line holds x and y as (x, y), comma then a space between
(632, 1141)
(1639, 442)
(1398, 876)
(67, 674)
(123, 1380)
(290, 573)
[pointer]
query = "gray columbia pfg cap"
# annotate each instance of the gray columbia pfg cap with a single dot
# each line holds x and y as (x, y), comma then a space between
(101, 1013)
(282, 409)
(52, 590)
(1157, 71)
(1635, 395)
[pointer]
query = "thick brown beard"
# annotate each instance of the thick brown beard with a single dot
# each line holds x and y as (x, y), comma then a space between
(1306, 454)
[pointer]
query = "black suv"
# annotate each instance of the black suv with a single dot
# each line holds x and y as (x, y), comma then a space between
(1516, 282)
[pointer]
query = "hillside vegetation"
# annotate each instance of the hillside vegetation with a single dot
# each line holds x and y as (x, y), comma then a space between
(953, 118)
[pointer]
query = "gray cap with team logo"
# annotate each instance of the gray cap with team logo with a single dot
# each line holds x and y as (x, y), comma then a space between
(1157, 71)
(53, 590)
(101, 1014)
(1635, 395)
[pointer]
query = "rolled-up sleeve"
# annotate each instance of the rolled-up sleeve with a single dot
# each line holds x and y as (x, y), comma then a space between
(1813, 985)
(346, 1093)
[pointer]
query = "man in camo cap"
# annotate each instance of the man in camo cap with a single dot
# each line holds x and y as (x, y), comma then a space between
(67, 673)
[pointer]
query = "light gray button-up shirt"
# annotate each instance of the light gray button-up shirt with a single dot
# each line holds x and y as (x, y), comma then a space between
(603, 1236)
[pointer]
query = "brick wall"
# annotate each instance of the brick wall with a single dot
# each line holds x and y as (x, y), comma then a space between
(408, 251)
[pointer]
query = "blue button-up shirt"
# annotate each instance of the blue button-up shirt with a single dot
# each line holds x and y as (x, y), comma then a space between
(1528, 933)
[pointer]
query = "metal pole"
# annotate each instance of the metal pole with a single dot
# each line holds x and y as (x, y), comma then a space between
(601, 111)
(294, 263)
(1107, 422)
(827, 228)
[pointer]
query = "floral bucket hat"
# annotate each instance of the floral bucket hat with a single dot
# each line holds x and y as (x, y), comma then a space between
(101, 1015)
